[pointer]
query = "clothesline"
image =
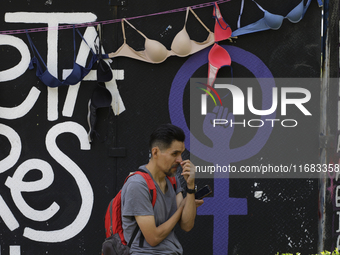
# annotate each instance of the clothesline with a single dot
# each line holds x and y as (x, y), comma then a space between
(42, 29)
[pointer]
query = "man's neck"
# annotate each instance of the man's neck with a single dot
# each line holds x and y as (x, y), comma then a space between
(157, 175)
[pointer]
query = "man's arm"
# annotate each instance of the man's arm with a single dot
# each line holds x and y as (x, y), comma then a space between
(136, 202)
(154, 235)
(189, 211)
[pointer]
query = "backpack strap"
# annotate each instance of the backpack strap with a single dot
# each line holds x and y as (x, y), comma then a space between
(110, 206)
(134, 235)
(151, 185)
(153, 192)
(149, 182)
(173, 182)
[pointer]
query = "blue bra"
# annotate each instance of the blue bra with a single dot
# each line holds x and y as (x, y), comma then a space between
(77, 74)
(269, 20)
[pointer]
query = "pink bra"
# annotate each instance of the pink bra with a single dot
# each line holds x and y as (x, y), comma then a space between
(155, 52)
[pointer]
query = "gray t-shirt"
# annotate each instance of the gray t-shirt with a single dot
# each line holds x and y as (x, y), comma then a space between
(136, 201)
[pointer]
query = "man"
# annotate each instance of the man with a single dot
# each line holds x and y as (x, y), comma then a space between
(157, 224)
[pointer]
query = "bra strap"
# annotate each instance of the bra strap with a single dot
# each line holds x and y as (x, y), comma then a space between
(100, 55)
(123, 30)
(34, 49)
(259, 6)
(306, 7)
(99, 47)
(85, 41)
(30, 42)
(74, 43)
(218, 15)
(186, 16)
(135, 28)
(199, 20)
(239, 16)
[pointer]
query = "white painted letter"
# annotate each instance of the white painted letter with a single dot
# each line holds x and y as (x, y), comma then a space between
(17, 186)
(15, 151)
(21, 67)
(85, 188)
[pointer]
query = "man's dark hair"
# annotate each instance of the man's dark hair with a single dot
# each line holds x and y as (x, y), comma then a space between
(164, 135)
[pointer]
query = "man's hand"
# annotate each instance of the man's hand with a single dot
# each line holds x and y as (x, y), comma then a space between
(188, 173)
(199, 202)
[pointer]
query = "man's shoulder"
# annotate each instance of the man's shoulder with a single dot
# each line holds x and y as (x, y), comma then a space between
(136, 181)
(135, 192)
(135, 177)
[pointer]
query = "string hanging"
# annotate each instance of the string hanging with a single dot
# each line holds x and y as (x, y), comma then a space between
(106, 22)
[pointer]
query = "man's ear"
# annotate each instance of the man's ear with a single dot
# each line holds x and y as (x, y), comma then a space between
(155, 152)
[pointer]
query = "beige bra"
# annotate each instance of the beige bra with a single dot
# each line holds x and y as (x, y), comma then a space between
(155, 52)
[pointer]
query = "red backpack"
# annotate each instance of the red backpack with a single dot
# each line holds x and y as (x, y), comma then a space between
(113, 216)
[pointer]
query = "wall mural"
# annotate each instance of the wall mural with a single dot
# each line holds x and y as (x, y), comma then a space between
(66, 151)
(219, 205)
(16, 183)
